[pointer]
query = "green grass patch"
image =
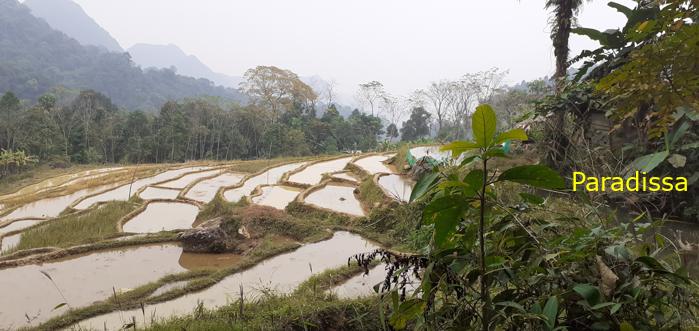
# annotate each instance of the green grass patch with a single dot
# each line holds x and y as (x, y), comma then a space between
(370, 194)
(81, 228)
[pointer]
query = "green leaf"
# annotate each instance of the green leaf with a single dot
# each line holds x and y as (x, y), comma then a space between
(459, 147)
(648, 162)
(551, 312)
(603, 305)
(423, 186)
(615, 308)
(590, 293)
(407, 311)
(474, 179)
(531, 198)
(511, 304)
(483, 125)
(445, 213)
(621, 8)
(626, 326)
(494, 261)
(514, 134)
(534, 175)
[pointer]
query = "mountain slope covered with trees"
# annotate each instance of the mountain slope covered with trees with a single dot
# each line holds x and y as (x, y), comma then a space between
(68, 17)
(35, 59)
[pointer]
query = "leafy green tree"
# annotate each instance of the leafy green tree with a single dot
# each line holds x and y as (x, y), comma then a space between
(392, 131)
(418, 126)
(9, 112)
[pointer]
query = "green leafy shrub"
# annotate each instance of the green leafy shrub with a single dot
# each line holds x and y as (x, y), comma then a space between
(491, 265)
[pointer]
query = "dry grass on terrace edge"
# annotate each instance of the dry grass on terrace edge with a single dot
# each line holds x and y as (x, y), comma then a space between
(13, 183)
(253, 166)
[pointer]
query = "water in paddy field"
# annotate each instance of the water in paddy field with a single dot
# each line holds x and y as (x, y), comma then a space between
(431, 151)
(313, 174)
(121, 193)
(206, 190)
(272, 176)
(9, 242)
(398, 187)
(374, 164)
(337, 198)
(152, 193)
(82, 279)
(346, 176)
(18, 225)
(60, 181)
(282, 273)
(52, 207)
(181, 183)
(276, 196)
(163, 216)
(361, 285)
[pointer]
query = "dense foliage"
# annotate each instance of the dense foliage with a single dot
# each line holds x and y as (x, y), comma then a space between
(91, 128)
(498, 261)
(35, 58)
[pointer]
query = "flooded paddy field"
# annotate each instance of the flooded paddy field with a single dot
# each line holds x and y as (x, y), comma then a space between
(269, 177)
(313, 174)
(339, 198)
(155, 193)
(375, 164)
(205, 190)
(276, 196)
(31, 291)
(282, 274)
(397, 187)
(163, 216)
(79, 281)
(124, 192)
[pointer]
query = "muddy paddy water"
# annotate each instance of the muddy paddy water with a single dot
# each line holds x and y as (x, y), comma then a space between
(431, 151)
(272, 176)
(374, 164)
(60, 181)
(276, 196)
(397, 187)
(313, 174)
(181, 183)
(206, 190)
(8, 243)
(151, 193)
(52, 207)
(82, 280)
(163, 216)
(339, 198)
(124, 192)
(282, 274)
(18, 225)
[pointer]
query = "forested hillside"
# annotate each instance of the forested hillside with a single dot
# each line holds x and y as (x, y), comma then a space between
(68, 17)
(35, 58)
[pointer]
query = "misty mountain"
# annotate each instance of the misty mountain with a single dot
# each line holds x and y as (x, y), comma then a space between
(68, 17)
(168, 56)
(34, 58)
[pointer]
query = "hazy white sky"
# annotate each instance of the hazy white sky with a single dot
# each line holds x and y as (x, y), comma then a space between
(405, 44)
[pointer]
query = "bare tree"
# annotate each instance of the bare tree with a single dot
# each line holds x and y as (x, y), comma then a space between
(488, 83)
(393, 108)
(463, 94)
(438, 96)
(330, 94)
(371, 93)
